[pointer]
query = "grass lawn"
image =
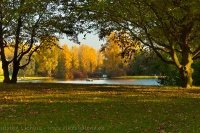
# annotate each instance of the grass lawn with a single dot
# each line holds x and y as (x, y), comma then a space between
(50, 108)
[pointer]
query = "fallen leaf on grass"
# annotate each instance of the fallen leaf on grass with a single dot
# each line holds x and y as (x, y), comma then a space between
(33, 112)
(12, 116)
(54, 110)
(162, 131)
(13, 110)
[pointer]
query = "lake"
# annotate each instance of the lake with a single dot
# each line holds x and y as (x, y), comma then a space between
(100, 81)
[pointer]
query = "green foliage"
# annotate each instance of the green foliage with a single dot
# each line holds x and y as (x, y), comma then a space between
(196, 73)
(145, 63)
(47, 60)
(60, 68)
(170, 75)
(166, 27)
(29, 70)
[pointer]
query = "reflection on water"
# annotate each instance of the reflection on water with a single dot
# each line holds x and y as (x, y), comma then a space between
(101, 81)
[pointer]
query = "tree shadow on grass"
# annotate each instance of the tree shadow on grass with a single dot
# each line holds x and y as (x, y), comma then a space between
(72, 108)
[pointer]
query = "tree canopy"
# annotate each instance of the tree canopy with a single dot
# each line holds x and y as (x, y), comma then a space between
(24, 23)
(166, 26)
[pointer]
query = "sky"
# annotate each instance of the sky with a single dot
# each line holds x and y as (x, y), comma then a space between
(91, 40)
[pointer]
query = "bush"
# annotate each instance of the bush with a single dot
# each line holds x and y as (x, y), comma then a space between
(78, 74)
(116, 72)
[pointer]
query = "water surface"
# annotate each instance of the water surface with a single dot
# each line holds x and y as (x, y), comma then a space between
(100, 81)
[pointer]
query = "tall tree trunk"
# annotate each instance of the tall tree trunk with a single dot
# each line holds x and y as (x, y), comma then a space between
(15, 72)
(5, 63)
(186, 76)
(17, 42)
(186, 71)
(5, 71)
(14, 77)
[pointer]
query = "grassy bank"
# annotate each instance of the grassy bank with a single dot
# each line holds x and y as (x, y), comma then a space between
(29, 78)
(69, 108)
(1, 78)
(136, 77)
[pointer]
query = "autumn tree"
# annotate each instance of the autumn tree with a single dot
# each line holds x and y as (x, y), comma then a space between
(100, 59)
(74, 58)
(112, 56)
(26, 22)
(29, 70)
(47, 58)
(60, 72)
(92, 59)
(87, 58)
(83, 56)
(166, 26)
(19, 24)
(78, 62)
(64, 62)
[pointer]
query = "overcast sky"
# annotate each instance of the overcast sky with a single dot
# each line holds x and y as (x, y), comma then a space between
(91, 40)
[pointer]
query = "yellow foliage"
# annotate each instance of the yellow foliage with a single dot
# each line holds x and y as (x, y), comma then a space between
(9, 52)
(87, 58)
(1, 70)
(100, 58)
(111, 53)
(75, 59)
(67, 57)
